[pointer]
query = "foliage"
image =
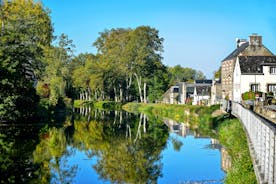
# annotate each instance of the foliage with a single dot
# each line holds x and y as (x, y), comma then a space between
(183, 113)
(127, 67)
(108, 105)
(43, 90)
(26, 31)
(182, 74)
(16, 145)
(57, 76)
(51, 155)
(123, 158)
(217, 74)
(250, 95)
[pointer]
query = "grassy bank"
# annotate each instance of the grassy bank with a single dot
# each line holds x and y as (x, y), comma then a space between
(182, 113)
(233, 138)
(226, 129)
(102, 105)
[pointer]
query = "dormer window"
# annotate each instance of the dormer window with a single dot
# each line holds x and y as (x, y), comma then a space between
(272, 70)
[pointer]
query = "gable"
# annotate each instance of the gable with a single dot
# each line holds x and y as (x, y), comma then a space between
(253, 50)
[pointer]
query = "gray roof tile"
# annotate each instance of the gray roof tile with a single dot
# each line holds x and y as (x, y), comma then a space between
(253, 64)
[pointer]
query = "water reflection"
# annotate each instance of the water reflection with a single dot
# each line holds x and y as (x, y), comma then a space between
(126, 147)
(16, 146)
(106, 147)
(181, 132)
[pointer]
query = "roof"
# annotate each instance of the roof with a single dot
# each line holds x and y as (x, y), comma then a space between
(237, 51)
(199, 88)
(203, 81)
(253, 64)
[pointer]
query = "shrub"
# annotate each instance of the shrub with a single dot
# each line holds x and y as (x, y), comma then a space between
(250, 95)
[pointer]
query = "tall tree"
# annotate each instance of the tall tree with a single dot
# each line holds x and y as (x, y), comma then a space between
(26, 31)
(57, 63)
(128, 54)
(146, 46)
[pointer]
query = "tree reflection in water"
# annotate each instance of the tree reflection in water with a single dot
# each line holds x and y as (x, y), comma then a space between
(52, 153)
(16, 146)
(123, 158)
(127, 147)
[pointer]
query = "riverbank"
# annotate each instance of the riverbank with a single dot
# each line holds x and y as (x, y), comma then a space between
(208, 120)
(181, 113)
(102, 105)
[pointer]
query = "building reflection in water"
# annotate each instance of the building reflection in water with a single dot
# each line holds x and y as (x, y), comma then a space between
(225, 159)
(183, 130)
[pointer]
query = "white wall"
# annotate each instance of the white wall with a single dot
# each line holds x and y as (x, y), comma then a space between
(242, 82)
(237, 82)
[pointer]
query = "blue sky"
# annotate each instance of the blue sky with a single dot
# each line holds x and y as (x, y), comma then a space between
(198, 33)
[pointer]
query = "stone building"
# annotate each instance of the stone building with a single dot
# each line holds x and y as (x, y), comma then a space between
(253, 47)
(171, 95)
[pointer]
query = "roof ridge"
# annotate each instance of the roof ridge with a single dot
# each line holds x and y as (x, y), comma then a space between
(237, 51)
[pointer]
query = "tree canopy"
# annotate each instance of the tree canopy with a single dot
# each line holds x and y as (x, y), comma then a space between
(25, 31)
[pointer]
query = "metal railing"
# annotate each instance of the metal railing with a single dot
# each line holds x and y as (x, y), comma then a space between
(262, 143)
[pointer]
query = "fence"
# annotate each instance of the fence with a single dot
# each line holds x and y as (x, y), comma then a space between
(262, 143)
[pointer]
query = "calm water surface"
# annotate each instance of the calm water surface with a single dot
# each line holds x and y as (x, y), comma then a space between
(110, 147)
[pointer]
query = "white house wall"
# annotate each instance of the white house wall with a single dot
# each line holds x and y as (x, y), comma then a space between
(246, 80)
(237, 82)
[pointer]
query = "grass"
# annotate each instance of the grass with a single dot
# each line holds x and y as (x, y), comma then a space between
(233, 138)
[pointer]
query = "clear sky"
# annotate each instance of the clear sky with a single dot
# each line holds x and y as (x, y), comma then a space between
(198, 33)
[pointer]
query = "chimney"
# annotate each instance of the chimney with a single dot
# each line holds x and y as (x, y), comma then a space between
(255, 40)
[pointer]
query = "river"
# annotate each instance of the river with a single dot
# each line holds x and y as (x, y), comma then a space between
(110, 147)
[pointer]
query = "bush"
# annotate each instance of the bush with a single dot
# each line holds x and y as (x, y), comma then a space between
(108, 105)
(43, 90)
(250, 95)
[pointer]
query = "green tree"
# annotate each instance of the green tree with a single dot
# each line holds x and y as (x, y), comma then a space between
(57, 69)
(183, 74)
(26, 31)
(217, 74)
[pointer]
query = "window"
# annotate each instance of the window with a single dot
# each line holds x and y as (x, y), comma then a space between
(271, 88)
(254, 87)
(272, 70)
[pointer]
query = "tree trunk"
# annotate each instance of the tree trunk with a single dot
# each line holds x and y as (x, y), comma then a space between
(145, 92)
(89, 93)
(121, 94)
(128, 81)
(115, 95)
(121, 117)
(139, 86)
(86, 95)
(128, 131)
(144, 123)
(138, 134)
(80, 95)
